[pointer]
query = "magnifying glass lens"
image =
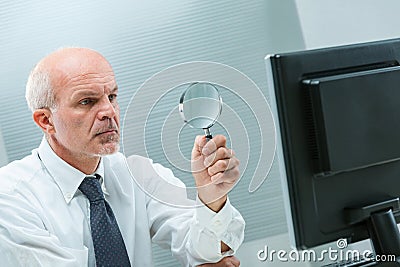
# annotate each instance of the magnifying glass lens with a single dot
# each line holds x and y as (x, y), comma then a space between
(200, 105)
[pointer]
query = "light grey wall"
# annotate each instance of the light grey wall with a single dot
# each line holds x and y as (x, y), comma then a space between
(3, 152)
(337, 22)
(141, 38)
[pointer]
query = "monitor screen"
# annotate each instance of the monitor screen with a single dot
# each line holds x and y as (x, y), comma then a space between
(337, 113)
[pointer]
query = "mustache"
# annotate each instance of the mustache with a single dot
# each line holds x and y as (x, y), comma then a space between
(111, 126)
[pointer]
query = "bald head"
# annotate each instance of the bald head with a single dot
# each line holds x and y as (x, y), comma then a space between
(56, 70)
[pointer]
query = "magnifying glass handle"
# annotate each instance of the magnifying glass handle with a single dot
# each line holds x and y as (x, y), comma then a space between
(208, 134)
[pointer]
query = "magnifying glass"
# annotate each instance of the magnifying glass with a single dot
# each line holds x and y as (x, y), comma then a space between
(200, 106)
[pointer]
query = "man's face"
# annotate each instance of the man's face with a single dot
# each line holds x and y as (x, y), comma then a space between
(86, 120)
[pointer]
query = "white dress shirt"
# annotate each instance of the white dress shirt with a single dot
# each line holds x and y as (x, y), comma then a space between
(44, 218)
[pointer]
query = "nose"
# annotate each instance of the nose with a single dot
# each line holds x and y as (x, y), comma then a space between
(107, 109)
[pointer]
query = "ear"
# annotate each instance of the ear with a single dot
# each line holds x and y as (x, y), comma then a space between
(43, 118)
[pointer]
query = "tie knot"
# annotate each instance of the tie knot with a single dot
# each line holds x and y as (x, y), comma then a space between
(91, 188)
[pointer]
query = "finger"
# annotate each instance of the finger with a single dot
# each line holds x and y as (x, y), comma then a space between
(230, 261)
(212, 145)
(235, 261)
(220, 154)
(230, 176)
(223, 165)
(199, 143)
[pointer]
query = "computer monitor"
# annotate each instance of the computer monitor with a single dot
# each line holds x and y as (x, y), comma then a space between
(337, 116)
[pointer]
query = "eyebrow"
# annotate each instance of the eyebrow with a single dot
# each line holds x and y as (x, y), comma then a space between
(91, 92)
(85, 93)
(115, 89)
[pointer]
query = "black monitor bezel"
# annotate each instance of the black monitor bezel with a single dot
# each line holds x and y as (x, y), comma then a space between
(285, 74)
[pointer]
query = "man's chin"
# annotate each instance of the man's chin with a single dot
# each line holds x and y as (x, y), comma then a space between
(108, 149)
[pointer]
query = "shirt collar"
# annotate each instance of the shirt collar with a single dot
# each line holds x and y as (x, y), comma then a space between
(100, 171)
(65, 176)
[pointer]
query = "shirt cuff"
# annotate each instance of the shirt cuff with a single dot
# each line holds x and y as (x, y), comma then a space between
(216, 222)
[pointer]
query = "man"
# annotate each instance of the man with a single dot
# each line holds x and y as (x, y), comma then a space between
(73, 202)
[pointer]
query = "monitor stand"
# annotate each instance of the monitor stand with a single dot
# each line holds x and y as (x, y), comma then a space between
(382, 228)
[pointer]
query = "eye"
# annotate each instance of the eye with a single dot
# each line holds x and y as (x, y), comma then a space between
(112, 97)
(85, 102)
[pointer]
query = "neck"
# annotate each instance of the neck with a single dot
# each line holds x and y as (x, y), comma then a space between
(85, 163)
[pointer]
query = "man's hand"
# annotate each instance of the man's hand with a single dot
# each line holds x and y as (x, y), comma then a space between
(215, 170)
(230, 261)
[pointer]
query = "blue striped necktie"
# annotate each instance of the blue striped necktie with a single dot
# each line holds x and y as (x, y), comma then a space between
(109, 247)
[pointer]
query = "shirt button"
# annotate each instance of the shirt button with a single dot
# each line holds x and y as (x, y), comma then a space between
(68, 195)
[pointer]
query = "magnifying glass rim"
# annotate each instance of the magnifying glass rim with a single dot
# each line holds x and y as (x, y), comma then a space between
(183, 97)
